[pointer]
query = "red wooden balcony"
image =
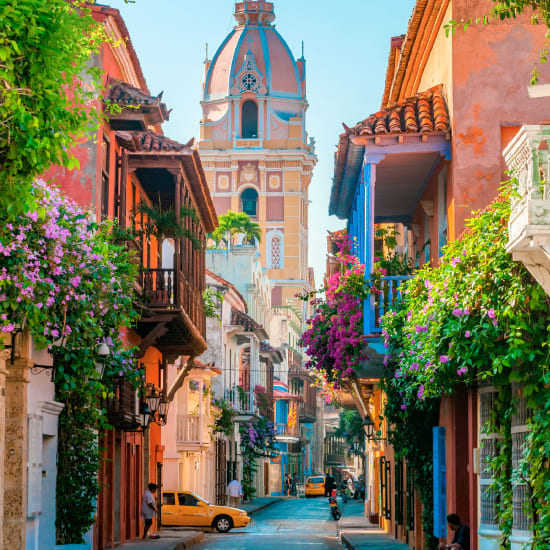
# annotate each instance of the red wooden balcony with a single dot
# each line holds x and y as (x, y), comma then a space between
(173, 312)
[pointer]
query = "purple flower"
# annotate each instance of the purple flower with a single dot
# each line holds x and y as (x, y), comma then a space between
(420, 393)
(461, 371)
(444, 358)
(403, 407)
(491, 313)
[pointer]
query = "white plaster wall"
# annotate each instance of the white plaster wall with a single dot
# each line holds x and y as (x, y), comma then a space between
(40, 533)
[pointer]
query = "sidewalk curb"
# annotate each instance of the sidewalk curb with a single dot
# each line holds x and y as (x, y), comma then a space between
(262, 507)
(188, 543)
(346, 541)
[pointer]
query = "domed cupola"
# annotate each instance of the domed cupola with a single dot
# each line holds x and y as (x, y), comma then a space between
(254, 58)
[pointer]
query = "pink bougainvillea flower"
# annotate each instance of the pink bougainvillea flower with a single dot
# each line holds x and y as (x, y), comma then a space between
(444, 358)
(467, 334)
(491, 313)
(461, 371)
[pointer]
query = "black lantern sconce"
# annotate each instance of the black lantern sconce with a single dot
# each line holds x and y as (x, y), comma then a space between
(370, 430)
(357, 447)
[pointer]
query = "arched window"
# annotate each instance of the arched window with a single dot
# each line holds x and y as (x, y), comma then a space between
(249, 120)
(249, 202)
(275, 251)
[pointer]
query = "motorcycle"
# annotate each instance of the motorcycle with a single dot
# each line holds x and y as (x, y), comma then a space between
(334, 510)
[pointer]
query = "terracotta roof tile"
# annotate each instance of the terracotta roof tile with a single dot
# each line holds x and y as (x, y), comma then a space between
(425, 112)
(150, 142)
(125, 95)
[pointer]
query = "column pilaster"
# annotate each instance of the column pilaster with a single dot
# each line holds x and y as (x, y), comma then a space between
(15, 453)
(4, 357)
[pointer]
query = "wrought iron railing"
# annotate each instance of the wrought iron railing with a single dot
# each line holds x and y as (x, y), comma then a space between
(242, 400)
(284, 430)
(387, 296)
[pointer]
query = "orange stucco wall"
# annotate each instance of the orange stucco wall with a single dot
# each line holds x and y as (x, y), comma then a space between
(491, 71)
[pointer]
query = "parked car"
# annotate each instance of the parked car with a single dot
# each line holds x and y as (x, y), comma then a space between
(186, 508)
(315, 486)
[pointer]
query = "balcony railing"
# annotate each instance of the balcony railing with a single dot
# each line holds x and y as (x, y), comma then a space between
(377, 304)
(170, 289)
(283, 431)
(122, 405)
(307, 410)
(527, 156)
(242, 400)
(191, 429)
(158, 287)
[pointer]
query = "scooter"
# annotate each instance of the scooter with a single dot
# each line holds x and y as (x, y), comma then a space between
(334, 510)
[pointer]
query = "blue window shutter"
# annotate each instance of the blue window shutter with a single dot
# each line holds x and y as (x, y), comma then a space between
(440, 482)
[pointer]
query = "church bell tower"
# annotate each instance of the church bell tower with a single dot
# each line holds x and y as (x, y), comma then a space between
(253, 142)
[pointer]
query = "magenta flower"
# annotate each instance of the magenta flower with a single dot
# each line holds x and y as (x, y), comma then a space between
(491, 313)
(467, 334)
(444, 358)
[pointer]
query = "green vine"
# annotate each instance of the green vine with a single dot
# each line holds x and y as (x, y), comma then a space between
(478, 318)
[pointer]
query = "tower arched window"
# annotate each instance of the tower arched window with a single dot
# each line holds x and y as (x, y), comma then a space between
(249, 120)
(275, 250)
(249, 202)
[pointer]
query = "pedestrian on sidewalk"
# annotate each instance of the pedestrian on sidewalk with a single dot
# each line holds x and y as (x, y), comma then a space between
(351, 485)
(148, 508)
(234, 492)
(461, 539)
(330, 483)
(288, 485)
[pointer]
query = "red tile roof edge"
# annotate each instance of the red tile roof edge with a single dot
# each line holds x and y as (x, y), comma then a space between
(107, 10)
(222, 281)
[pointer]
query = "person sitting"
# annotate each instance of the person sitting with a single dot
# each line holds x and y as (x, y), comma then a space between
(461, 539)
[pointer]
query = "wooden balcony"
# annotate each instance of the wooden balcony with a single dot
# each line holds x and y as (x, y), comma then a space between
(192, 433)
(286, 433)
(122, 407)
(307, 411)
(173, 317)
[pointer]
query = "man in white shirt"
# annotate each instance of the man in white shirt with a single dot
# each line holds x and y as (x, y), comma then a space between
(235, 492)
(148, 508)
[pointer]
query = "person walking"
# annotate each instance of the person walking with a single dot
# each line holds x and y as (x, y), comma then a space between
(287, 485)
(234, 492)
(330, 483)
(148, 508)
(351, 485)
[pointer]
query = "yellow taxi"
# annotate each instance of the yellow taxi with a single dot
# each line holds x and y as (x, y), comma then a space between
(186, 508)
(315, 486)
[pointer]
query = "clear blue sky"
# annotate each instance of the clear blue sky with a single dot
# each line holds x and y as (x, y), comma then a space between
(346, 48)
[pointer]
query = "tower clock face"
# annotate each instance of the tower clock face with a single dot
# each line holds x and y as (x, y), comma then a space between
(249, 81)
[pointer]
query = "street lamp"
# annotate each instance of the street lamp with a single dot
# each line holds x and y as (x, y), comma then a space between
(368, 426)
(356, 448)
(153, 399)
(161, 415)
(103, 351)
(144, 415)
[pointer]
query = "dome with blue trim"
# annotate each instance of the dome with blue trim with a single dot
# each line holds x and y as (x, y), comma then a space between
(254, 58)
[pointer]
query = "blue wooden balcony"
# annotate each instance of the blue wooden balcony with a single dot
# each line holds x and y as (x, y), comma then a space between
(376, 305)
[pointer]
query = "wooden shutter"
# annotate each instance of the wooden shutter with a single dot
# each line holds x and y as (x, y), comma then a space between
(439, 482)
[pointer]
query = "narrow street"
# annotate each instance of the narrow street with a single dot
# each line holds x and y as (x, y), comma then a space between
(295, 523)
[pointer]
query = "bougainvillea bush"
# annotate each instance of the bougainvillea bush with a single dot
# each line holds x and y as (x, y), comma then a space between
(477, 316)
(63, 280)
(333, 339)
(257, 439)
